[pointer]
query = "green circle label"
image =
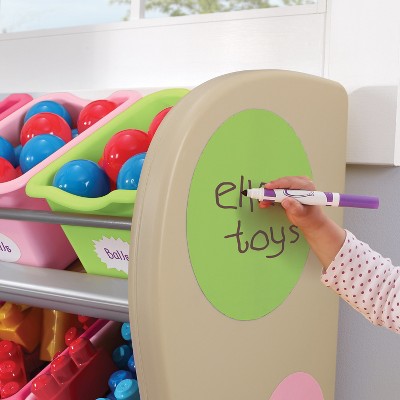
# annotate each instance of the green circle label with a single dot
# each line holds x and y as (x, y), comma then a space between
(246, 260)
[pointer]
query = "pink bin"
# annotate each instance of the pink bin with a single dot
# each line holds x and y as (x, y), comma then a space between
(12, 103)
(34, 243)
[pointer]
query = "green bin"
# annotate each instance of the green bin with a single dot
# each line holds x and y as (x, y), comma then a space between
(101, 251)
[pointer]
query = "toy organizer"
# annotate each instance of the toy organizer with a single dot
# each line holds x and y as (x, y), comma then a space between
(101, 251)
(225, 298)
(35, 243)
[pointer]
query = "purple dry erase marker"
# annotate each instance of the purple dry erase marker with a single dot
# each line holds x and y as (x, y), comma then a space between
(313, 198)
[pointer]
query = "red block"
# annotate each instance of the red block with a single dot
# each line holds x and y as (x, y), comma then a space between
(81, 375)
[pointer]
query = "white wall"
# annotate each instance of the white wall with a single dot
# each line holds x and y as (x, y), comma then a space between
(363, 54)
(368, 356)
(180, 52)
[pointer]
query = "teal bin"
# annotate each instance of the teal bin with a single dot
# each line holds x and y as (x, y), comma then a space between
(101, 251)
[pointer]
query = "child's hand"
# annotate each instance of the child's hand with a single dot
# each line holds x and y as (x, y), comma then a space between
(323, 234)
(305, 217)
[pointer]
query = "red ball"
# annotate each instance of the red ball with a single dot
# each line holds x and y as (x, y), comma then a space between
(7, 171)
(18, 171)
(157, 121)
(93, 112)
(113, 185)
(123, 145)
(45, 123)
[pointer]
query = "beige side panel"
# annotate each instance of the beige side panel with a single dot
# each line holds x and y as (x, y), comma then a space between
(185, 349)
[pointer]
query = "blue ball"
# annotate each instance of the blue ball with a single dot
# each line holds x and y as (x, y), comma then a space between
(51, 107)
(38, 149)
(17, 152)
(7, 151)
(129, 174)
(82, 178)
(75, 133)
(126, 331)
(121, 356)
(127, 389)
(118, 376)
(132, 365)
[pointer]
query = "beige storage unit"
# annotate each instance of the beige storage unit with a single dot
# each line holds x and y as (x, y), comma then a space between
(225, 299)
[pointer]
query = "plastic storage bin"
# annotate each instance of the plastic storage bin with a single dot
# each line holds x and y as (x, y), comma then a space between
(34, 243)
(12, 103)
(102, 334)
(101, 251)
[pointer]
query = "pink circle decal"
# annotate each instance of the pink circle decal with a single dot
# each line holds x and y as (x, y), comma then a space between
(299, 386)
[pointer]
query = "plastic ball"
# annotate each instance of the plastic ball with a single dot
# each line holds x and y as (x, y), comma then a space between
(129, 174)
(121, 355)
(17, 152)
(49, 106)
(126, 331)
(132, 365)
(122, 146)
(74, 133)
(18, 170)
(38, 149)
(127, 389)
(82, 178)
(7, 171)
(157, 121)
(45, 123)
(118, 376)
(93, 112)
(7, 151)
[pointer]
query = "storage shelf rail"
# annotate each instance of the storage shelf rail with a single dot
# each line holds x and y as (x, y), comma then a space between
(64, 290)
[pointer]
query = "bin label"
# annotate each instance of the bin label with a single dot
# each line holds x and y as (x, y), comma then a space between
(9, 251)
(113, 252)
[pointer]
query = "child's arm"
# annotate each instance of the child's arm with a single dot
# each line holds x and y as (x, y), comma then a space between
(367, 281)
(324, 236)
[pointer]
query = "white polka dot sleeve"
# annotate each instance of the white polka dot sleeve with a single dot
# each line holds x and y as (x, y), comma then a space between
(367, 281)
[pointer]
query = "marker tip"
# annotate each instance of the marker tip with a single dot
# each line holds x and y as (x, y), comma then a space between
(244, 192)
